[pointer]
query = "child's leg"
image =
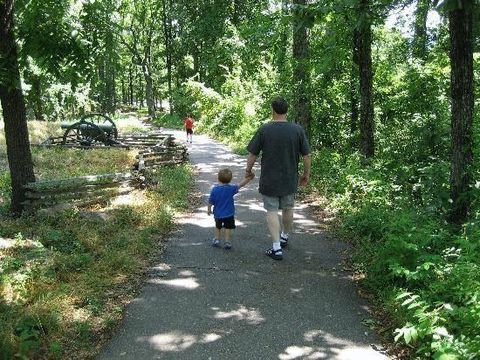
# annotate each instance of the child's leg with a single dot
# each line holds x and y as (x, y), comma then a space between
(228, 234)
(228, 237)
(217, 234)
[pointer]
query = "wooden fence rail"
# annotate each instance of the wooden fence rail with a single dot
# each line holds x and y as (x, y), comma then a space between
(84, 190)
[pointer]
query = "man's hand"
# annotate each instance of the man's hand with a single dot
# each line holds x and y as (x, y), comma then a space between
(209, 211)
(304, 179)
(249, 175)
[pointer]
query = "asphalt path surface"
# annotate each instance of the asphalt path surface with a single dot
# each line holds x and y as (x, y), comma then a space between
(201, 302)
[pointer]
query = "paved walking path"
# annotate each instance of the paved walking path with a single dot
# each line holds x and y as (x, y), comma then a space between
(207, 303)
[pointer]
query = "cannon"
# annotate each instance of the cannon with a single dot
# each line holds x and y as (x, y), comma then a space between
(90, 130)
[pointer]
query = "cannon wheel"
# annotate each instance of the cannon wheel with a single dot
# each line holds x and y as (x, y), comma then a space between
(98, 118)
(87, 136)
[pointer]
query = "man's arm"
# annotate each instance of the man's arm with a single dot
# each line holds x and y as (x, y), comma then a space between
(250, 162)
(307, 163)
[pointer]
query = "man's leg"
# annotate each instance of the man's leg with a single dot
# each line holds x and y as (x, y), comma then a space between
(287, 224)
(287, 220)
(273, 223)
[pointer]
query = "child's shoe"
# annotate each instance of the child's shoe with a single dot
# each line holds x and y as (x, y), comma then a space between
(216, 243)
(274, 254)
(227, 245)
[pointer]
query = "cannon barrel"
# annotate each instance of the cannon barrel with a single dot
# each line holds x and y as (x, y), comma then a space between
(84, 126)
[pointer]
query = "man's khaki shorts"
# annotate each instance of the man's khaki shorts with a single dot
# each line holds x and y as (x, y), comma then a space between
(274, 203)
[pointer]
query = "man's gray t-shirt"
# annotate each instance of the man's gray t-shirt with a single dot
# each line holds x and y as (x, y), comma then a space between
(281, 144)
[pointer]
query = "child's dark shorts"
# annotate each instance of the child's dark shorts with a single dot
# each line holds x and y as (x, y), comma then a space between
(190, 131)
(227, 223)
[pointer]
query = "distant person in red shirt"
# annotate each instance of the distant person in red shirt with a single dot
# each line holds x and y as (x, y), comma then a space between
(188, 125)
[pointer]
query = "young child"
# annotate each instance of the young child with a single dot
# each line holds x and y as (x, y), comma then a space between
(188, 125)
(221, 198)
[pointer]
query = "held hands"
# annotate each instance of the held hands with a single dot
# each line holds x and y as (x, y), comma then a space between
(249, 175)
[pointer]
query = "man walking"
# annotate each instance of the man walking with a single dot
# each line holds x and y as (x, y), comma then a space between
(281, 144)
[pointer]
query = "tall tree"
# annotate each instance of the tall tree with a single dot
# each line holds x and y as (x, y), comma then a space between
(168, 38)
(462, 95)
(354, 84)
(301, 64)
(281, 51)
(140, 28)
(13, 105)
(420, 29)
(367, 144)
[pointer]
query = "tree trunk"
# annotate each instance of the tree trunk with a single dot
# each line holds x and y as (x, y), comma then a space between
(281, 58)
(354, 84)
(167, 27)
(461, 87)
(420, 32)
(14, 115)
(37, 97)
(140, 95)
(301, 70)
(130, 83)
(149, 90)
(367, 145)
(101, 85)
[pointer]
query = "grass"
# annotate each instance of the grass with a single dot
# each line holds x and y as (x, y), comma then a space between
(77, 162)
(66, 277)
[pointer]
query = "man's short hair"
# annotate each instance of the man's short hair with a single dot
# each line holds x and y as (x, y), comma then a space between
(280, 105)
(225, 176)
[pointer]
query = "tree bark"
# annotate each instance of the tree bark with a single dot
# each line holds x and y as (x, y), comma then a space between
(301, 70)
(14, 114)
(367, 145)
(354, 84)
(462, 93)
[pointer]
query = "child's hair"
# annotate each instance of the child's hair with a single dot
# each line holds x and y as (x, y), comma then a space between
(225, 176)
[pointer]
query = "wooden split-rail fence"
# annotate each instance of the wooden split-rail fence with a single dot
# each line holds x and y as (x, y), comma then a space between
(156, 150)
(168, 153)
(80, 191)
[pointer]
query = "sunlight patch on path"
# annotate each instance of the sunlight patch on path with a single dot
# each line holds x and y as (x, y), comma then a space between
(184, 283)
(251, 316)
(177, 341)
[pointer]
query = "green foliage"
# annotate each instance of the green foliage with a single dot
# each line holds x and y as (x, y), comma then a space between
(5, 191)
(404, 248)
(234, 114)
(170, 121)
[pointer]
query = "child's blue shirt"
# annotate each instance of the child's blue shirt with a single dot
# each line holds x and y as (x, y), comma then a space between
(221, 197)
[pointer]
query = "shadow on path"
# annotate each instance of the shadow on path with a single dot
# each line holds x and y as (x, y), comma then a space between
(205, 303)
